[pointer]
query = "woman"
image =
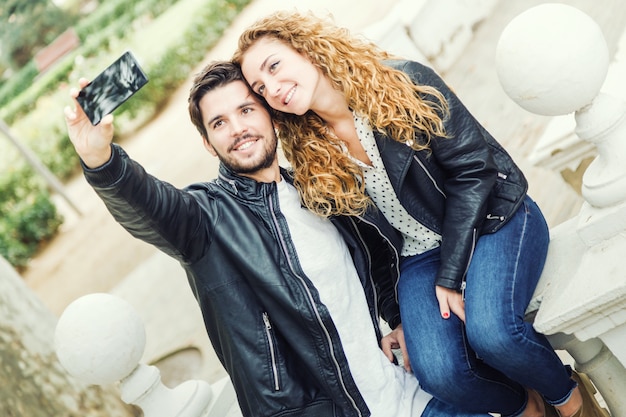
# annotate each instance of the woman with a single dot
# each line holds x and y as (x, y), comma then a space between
(360, 128)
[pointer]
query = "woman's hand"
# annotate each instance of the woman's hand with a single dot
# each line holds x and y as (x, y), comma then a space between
(395, 340)
(92, 143)
(450, 301)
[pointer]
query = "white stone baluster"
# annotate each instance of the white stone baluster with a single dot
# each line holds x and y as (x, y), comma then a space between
(552, 60)
(100, 339)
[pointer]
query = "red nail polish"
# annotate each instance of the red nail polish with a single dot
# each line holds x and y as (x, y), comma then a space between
(446, 315)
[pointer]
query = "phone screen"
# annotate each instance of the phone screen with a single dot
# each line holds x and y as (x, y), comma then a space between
(112, 87)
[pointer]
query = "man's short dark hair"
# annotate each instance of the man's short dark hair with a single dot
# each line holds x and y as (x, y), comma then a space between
(216, 74)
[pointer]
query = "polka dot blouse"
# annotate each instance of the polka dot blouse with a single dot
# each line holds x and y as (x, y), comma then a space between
(417, 238)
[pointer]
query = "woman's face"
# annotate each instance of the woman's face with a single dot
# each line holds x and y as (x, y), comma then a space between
(286, 79)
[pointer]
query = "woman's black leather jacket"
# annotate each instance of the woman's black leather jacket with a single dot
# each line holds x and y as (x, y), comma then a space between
(264, 317)
(466, 185)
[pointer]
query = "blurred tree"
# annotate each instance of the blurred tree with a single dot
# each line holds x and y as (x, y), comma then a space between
(27, 26)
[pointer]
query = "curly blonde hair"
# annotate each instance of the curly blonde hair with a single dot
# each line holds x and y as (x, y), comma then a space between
(329, 181)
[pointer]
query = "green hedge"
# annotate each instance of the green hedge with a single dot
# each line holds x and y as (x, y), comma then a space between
(27, 215)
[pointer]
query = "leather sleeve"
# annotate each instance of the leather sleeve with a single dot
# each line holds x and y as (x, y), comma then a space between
(470, 172)
(149, 209)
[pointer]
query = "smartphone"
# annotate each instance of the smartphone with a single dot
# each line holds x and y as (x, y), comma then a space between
(112, 87)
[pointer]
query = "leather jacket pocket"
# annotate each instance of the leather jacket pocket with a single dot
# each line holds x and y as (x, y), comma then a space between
(507, 190)
(271, 343)
(315, 409)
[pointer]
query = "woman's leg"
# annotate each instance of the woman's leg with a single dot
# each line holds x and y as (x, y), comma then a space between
(436, 408)
(438, 350)
(502, 277)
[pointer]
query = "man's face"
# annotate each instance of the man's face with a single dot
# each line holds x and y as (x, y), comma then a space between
(240, 131)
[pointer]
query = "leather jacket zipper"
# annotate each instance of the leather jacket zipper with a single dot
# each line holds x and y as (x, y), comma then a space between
(429, 175)
(495, 217)
(397, 265)
(270, 341)
(311, 299)
(369, 257)
(463, 283)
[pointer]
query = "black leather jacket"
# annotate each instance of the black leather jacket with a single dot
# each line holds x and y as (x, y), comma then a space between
(465, 186)
(263, 315)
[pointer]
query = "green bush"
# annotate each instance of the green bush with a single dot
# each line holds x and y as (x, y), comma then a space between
(28, 216)
(17, 83)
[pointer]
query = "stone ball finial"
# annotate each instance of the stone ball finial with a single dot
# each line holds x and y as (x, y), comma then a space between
(99, 339)
(552, 59)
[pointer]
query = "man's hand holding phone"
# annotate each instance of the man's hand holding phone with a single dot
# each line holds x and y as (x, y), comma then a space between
(90, 123)
(92, 143)
(112, 87)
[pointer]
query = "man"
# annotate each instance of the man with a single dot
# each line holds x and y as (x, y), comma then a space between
(290, 301)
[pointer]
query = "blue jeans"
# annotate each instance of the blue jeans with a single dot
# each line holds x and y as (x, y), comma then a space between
(486, 364)
(436, 408)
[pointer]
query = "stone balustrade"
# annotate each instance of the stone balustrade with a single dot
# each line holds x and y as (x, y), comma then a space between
(100, 340)
(559, 148)
(552, 60)
(430, 31)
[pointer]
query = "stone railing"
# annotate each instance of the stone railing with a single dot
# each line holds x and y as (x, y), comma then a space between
(100, 339)
(430, 31)
(552, 60)
(559, 148)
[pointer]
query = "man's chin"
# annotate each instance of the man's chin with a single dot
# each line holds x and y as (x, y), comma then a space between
(248, 168)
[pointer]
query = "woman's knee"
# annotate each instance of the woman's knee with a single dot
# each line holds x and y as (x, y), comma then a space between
(455, 387)
(493, 340)
(443, 377)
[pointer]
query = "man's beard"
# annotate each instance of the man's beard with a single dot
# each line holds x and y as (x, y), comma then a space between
(250, 167)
